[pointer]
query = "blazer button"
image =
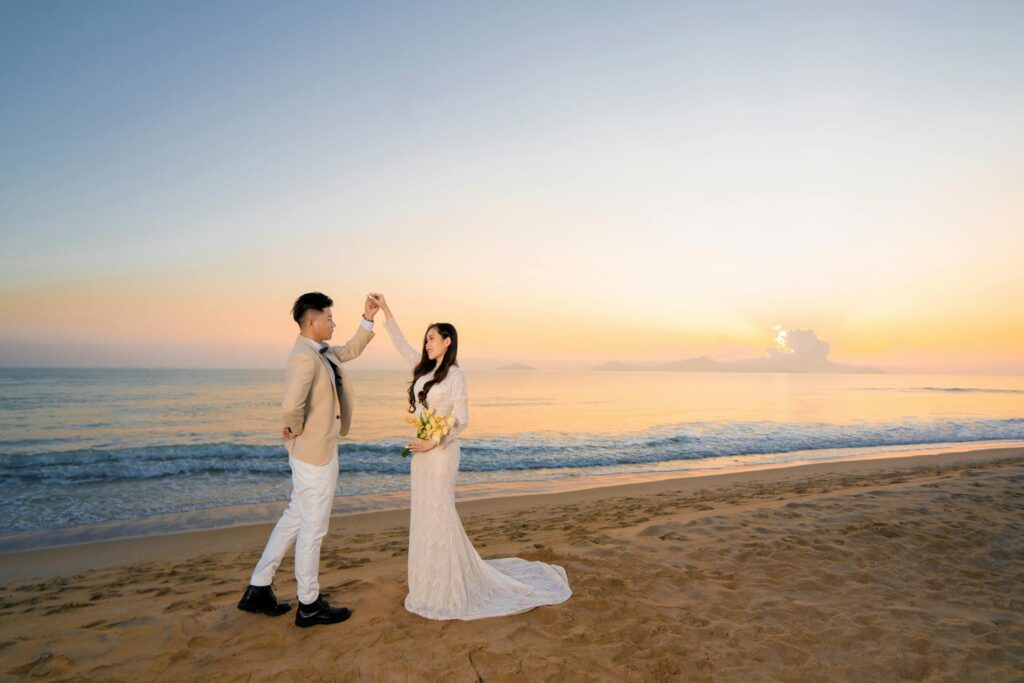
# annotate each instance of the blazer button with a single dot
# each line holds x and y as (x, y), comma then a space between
(338, 416)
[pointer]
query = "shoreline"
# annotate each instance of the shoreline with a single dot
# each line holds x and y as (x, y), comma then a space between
(871, 569)
(54, 560)
(267, 514)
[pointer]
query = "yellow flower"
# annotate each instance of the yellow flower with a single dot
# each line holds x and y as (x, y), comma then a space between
(430, 426)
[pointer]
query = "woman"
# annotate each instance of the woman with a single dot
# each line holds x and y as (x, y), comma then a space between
(447, 577)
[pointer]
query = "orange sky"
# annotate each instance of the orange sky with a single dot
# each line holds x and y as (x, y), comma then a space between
(589, 296)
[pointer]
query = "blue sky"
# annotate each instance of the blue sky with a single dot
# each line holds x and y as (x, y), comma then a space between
(732, 165)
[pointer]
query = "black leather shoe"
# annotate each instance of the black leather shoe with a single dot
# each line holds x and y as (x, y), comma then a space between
(319, 612)
(261, 599)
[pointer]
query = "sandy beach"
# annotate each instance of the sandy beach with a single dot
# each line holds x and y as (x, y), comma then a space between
(875, 570)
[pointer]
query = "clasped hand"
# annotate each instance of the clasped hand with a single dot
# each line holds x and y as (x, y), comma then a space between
(421, 445)
(371, 306)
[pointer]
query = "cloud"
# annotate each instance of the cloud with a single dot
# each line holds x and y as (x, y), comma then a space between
(799, 348)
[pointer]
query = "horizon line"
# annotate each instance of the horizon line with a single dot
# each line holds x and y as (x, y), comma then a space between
(631, 370)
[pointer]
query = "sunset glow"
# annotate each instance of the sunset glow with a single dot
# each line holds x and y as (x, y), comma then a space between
(854, 172)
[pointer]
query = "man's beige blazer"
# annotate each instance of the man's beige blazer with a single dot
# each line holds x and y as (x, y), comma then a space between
(316, 409)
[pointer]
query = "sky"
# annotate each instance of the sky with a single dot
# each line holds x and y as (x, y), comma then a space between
(567, 183)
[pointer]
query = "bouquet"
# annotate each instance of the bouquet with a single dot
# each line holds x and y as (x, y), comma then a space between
(429, 426)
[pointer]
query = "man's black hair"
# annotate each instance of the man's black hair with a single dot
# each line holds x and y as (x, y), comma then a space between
(311, 301)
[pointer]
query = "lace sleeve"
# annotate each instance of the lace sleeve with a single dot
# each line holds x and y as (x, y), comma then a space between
(411, 355)
(460, 405)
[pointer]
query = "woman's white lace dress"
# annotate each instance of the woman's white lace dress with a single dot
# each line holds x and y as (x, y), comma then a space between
(447, 577)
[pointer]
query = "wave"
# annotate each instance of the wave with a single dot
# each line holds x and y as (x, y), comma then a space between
(952, 390)
(694, 440)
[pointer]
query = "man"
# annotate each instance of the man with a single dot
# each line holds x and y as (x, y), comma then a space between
(317, 410)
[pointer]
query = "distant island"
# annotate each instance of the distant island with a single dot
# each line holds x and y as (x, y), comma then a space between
(799, 351)
(778, 363)
(516, 366)
(769, 365)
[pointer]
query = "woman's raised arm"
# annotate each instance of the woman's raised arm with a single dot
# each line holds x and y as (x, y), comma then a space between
(411, 355)
(404, 348)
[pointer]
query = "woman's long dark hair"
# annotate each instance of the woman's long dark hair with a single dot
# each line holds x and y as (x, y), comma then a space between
(447, 331)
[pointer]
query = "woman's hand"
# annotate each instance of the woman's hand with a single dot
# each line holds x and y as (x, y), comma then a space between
(379, 298)
(421, 445)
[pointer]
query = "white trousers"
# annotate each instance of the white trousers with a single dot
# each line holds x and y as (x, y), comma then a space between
(303, 522)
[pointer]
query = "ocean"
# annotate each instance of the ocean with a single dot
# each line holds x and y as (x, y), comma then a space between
(82, 447)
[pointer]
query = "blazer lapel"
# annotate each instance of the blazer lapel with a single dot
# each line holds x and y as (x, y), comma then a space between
(303, 343)
(336, 364)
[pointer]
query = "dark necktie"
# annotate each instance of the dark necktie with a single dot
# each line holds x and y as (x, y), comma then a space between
(337, 376)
